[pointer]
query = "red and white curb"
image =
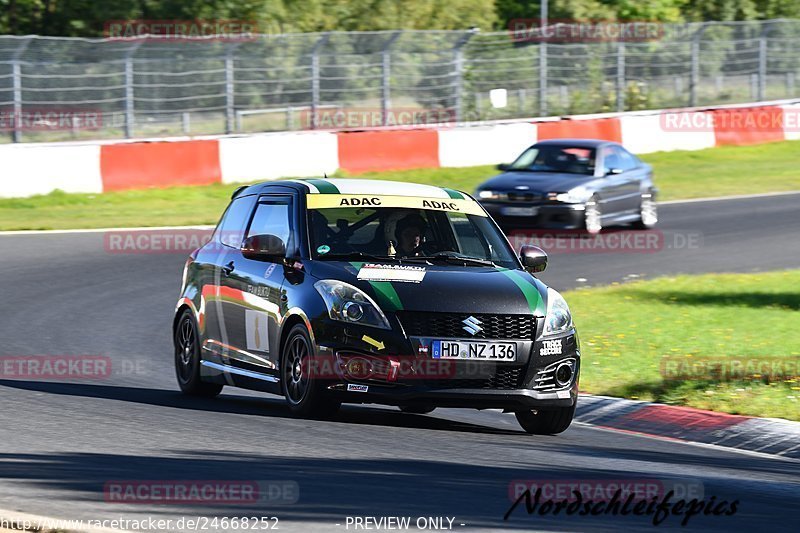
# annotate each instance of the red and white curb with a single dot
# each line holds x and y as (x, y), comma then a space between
(763, 435)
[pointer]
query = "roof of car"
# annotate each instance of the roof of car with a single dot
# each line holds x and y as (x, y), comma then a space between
(577, 143)
(366, 187)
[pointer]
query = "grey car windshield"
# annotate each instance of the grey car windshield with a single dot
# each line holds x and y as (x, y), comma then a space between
(405, 233)
(561, 159)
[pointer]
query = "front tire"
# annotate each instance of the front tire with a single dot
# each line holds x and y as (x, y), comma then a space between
(304, 393)
(187, 359)
(593, 217)
(549, 422)
(648, 213)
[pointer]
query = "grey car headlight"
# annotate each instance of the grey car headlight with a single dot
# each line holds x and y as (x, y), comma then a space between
(577, 195)
(348, 304)
(558, 319)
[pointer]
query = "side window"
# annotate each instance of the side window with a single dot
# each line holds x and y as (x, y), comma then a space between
(231, 230)
(610, 159)
(627, 160)
(273, 217)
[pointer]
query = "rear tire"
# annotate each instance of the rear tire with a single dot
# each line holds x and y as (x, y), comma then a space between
(549, 422)
(187, 359)
(417, 409)
(304, 393)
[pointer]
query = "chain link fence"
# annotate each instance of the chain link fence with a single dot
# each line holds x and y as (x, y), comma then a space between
(155, 87)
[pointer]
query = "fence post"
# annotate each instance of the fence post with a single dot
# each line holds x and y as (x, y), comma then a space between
(386, 68)
(230, 92)
(315, 77)
(16, 73)
(694, 73)
(543, 78)
(762, 63)
(620, 76)
(129, 96)
(458, 85)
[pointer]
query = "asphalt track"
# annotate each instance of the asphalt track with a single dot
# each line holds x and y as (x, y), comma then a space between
(60, 443)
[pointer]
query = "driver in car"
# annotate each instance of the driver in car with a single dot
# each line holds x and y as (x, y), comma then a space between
(409, 235)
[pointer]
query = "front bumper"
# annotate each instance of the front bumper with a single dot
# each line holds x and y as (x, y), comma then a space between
(418, 379)
(548, 216)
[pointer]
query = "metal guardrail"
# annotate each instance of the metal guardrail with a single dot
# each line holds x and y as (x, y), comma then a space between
(156, 87)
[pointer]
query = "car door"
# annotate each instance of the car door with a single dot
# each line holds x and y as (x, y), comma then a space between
(213, 258)
(635, 172)
(252, 311)
(619, 184)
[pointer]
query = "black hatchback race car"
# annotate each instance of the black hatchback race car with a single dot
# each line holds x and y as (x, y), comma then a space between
(329, 291)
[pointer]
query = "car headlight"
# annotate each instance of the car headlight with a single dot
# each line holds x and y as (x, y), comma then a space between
(349, 304)
(578, 195)
(558, 319)
(488, 195)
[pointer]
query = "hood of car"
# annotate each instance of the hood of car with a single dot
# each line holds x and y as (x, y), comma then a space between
(439, 288)
(535, 182)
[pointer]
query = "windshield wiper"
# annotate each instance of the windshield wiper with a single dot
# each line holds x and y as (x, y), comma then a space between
(453, 258)
(356, 255)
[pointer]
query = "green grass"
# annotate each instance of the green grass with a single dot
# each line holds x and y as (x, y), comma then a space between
(628, 330)
(713, 172)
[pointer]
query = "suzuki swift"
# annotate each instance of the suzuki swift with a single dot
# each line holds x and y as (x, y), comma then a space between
(331, 291)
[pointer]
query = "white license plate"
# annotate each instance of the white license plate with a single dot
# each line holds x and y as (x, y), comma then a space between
(489, 351)
(519, 211)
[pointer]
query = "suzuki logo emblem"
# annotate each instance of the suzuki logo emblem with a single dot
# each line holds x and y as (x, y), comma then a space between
(472, 325)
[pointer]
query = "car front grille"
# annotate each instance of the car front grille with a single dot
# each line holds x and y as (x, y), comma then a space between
(523, 197)
(451, 325)
(504, 378)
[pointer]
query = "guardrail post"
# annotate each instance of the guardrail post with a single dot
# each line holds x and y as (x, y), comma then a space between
(230, 93)
(130, 111)
(458, 82)
(620, 76)
(762, 63)
(16, 74)
(315, 78)
(694, 72)
(386, 66)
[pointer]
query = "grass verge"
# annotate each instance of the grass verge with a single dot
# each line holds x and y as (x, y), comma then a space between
(679, 175)
(638, 337)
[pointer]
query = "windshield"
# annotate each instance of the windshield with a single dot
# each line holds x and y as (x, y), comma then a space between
(397, 233)
(562, 159)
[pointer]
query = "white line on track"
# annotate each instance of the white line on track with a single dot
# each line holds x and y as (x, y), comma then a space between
(735, 197)
(157, 228)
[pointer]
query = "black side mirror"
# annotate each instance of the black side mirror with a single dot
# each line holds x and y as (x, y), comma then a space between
(533, 258)
(264, 248)
(504, 166)
(613, 171)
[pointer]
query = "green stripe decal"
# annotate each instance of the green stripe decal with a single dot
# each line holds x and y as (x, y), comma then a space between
(384, 290)
(529, 290)
(455, 195)
(324, 186)
(390, 301)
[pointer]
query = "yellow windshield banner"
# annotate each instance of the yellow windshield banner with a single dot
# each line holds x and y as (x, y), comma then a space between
(328, 201)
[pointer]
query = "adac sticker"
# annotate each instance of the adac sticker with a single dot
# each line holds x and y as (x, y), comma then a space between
(353, 387)
(401, 273)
